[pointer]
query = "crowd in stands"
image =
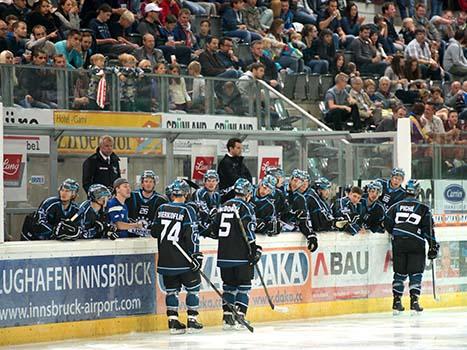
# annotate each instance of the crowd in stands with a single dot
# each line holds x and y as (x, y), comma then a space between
(379, 72)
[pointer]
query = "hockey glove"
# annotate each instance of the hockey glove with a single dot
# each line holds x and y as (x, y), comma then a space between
(312, 243)
(66, 231)
(196, 261)
(255, 256)
(260, 227)
(100, 227)
(111, 232)
(212, 214)
(433, 251)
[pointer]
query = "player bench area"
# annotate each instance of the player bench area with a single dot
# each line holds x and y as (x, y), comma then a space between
(54, 290)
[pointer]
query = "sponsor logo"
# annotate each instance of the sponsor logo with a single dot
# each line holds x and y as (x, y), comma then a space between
(266, 163)
(202, 164)
(13, 167)
(454, 193)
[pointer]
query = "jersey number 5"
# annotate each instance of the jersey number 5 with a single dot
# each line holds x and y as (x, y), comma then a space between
(410, 218)
(174, 231)
(225, 226)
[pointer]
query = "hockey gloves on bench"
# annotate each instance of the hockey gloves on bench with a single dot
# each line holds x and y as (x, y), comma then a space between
(66, 231)
(196, 261)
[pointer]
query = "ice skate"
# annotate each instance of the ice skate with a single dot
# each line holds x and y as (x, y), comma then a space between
(397, 307)
(193, 325)
(415, 307)
(229, 322)
(175, 326)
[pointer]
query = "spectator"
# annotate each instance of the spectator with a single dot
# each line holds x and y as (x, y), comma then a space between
(370, 89)
(169, 7)
(255, 20)
(211, 65)
(408, 30)
(454, 90)
(203, 33)
(184, 34)
(302, 12)
(287, 16)
(432, 124)
(145, 100)
(67, 17)
(417, 133)
(233, 23)
(231, 100)
(36, 80)
(437, 98)
(366, 57)
(226, 55)
(71, 49)
(41, 15)
(455, 61)
(330, 18)
(105, 43)
(412, 70)
(390, 124)
(445, 24)
(341, 108)
(148, 51)
(231, 168)
(3, 35)
(80, 90)
(103, 166)
(178, 94)
(121, 29)
(338, 64)
(270, 71)
(395, 43)
(40, 40)
(384, 94)
(419, 49)
(17, 42)
(129, 74)
(198, 92)
(151, 22)
(244, 84)
(17, 8)
(369, 114)
(395, 73)
(453, 126)
(351, 21)
(86, 51)
(420, 20)
(320, 54)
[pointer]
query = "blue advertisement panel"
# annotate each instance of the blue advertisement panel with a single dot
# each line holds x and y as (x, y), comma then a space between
(51, 290)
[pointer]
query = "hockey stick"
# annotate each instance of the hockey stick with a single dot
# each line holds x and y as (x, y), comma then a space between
(282, 309)
(230, 306)
(433, 279)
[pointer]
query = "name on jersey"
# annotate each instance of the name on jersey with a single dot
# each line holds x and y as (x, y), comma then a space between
(170, 215)
(408, 208)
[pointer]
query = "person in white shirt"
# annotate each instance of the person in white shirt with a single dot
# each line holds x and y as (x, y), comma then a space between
(432, 124)
(420, 49)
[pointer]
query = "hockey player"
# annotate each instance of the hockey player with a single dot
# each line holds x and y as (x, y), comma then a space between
(117, 210)
(143, 203)
(236, 257)
(263, 204)
(44, 223)
(349, 209)
(92, 218)
(393, 192)
(177, 222)
(372, 209)
(321, 215)
(207, 201)
(279, 197)
(299, 215)
(410, 223)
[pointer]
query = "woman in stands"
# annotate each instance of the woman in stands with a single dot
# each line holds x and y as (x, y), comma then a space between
(67, 16)
(41, 15)
(312, 58)
(338, 64)
(396, 73)
(351, 21)
(412, 70)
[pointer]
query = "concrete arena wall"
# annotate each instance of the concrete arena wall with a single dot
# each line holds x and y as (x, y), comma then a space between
(346, 275)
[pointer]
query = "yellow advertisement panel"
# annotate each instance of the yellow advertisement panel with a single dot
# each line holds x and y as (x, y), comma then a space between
(122, 146)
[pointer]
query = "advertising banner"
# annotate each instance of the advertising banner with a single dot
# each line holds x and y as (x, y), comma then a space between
(268, 156)
(15, 170)
(210, 122)
(203, 158)
(53, 290)
(122, 146)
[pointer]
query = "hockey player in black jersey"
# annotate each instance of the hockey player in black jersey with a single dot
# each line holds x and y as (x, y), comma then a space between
(43, 224)
(321, 215)
(411, 224)
(372, 209)
(92, 218)
(263, 204)
(143, 203)
(349, 209)
(177, 222)
(279, 197)
(393, 191)
(299, 215)
(233, 255)
(207, 200)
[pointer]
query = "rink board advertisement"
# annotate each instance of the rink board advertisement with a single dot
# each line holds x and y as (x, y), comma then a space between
(53, 290)
(286, 272)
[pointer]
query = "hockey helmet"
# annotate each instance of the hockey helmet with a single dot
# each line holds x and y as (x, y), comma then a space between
(322, 183)
(97, 191)
(149, 174)
(269, 181)
(275, 171)
(180, 188)
(375, 185)
(211, 174)
(398, 172)
(300, 174)
(243, 187)
(413, 187)
(70, 184)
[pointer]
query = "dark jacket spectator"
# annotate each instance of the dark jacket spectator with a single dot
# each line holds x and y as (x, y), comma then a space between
(17, 8)
(211, 66)
(41, 16)
(103, 166)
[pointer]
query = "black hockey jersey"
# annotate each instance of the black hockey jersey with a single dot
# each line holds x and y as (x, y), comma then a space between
(233, 250)
(410, 218)
(175, 222)
(372, 215)
(87, 220)
(299, 215)
(205, 202)
(265, 212)
(48, 215)
(143, 209)
(344, 209)
(281, 204)
(320, 212)
(390, 195)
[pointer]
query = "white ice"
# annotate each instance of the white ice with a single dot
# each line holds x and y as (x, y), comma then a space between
(434, 329)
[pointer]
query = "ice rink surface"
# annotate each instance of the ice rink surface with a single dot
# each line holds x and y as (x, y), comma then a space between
(434, 329)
